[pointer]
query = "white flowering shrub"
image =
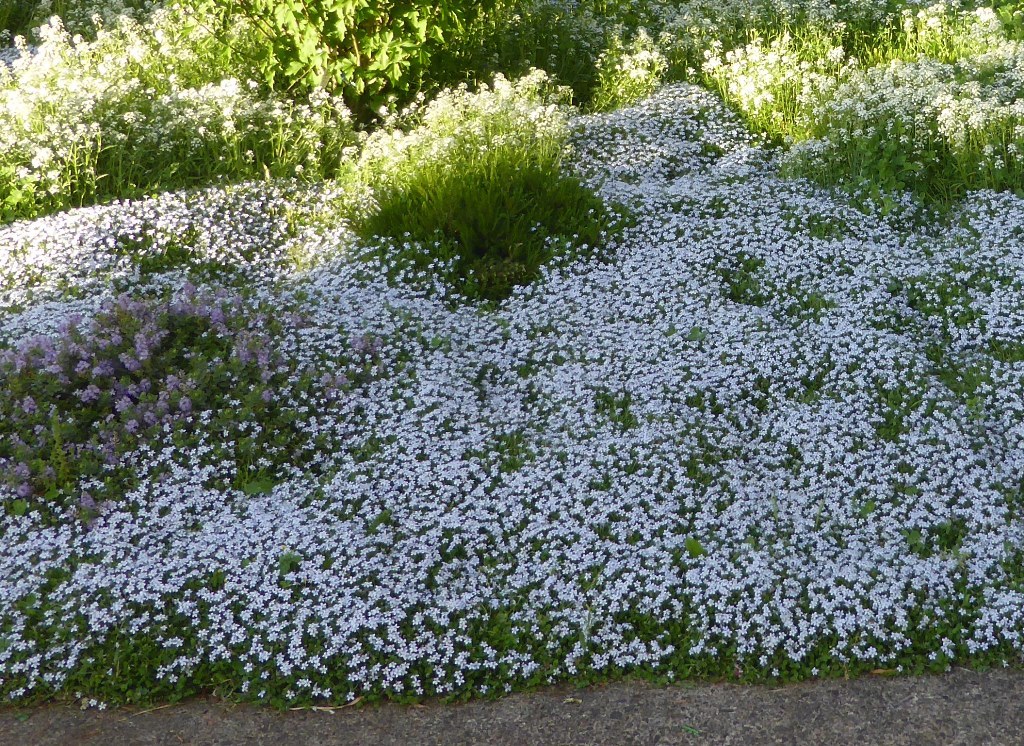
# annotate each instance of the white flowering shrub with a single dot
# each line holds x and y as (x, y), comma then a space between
(927, 126)
(947, 32)
(926, 102)
(521, 113)
(628, 73)
(776, 83)
(785, 64)
(144, 108)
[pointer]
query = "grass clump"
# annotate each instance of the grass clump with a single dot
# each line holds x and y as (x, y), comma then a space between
(16, 16)
(477, 190)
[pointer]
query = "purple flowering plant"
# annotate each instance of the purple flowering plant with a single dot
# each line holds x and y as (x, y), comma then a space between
(140, 373)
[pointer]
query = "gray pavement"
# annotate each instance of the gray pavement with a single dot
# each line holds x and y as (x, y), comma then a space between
(962, 707)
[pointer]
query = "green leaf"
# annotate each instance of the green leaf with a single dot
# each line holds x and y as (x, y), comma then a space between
(309, 45)
(19, 507)
(294, 68)
(284, 16)
(288, 562)
(418, 23)
(694, 548)
(258, 486)
(383, 517)
(697, 334)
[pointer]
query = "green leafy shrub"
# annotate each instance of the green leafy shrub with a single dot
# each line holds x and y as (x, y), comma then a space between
(366, 49)
(604, 50)
(517, 36)
(493, 221)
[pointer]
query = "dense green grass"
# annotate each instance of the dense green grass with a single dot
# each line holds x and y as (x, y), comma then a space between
(16, 16)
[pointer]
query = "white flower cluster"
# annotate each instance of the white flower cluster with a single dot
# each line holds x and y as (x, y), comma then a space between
(742, 437)
(774, 80)
(141, 90)
(515, 114)
(629, 72)
(950, 27)
(971, 108)
(938, 100)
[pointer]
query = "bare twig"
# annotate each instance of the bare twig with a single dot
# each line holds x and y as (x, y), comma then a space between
(151, 709)
(320, 708)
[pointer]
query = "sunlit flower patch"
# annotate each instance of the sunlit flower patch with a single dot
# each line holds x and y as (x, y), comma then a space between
(772, 430)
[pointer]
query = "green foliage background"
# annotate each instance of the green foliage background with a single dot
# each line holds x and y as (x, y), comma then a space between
(368, 50)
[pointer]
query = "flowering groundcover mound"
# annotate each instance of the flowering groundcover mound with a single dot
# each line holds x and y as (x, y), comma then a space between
(767, 434)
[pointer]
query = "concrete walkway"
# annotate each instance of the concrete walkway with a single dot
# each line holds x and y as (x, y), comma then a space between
(962, 707)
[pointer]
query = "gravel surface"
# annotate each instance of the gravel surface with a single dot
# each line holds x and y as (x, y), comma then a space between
(962, 707)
